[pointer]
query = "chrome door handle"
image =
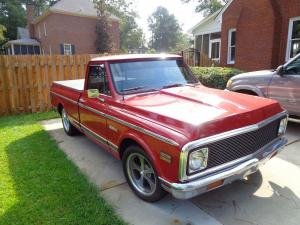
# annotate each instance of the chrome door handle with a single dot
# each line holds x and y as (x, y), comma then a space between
(101, 99)
(82, 100)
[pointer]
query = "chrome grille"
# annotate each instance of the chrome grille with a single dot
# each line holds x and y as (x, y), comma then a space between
(236, 147)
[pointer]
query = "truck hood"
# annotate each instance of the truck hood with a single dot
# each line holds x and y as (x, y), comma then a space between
(198, 111)
(264, 73)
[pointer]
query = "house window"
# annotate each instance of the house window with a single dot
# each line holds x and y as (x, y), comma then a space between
(231, 46)
(214, 49)
(67, 49)
(45, 31)
(39, 31)
(293, 45)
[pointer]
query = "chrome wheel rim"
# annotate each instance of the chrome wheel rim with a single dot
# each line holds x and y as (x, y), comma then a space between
(141, 174)
(65, 120)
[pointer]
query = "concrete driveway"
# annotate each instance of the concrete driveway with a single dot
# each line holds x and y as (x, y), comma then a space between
(271, 196)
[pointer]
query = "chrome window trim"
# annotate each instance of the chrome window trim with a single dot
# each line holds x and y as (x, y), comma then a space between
(182, 175)
(132, 126)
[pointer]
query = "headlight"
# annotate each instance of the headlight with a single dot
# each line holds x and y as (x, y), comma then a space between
(198, 160)
(282, 126)
(229, 82)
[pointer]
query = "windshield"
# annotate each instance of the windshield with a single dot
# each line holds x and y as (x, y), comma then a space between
(142, 76)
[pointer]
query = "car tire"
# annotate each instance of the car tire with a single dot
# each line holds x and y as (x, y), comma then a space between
(67, 125)
(141, 175)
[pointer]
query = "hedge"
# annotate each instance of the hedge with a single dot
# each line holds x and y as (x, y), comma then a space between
(215, 77)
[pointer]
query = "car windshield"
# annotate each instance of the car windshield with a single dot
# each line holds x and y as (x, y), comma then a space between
(143, 76)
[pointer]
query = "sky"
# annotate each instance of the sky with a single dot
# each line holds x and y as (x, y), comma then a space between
(184, 13)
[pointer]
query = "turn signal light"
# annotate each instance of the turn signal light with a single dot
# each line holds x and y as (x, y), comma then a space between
(215, 185)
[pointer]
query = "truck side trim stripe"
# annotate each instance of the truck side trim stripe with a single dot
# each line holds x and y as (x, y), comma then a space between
(61, 96)
(137, 128)
(100, 138)
(132, 126)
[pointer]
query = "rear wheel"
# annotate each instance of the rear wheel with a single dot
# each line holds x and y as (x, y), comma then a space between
(141, 175)
(68, 127)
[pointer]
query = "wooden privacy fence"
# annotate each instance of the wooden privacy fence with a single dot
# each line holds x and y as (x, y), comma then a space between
(25, 80)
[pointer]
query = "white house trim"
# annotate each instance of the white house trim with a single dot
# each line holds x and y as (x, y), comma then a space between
(39, 31)
(229, 60)
(218, 40)
(210, 24)
(289, 39)
(45, 31)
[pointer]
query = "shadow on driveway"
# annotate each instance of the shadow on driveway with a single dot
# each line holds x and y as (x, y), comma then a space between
(268, 197)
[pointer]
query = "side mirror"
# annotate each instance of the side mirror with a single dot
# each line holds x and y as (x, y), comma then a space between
(93, 93)
(280, 70)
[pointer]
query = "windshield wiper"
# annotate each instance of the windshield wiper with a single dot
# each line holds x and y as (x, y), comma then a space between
(172, 85)
(140, 88)
(133, 88)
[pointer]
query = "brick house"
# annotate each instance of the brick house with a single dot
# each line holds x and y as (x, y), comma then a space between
(68, 27)
(251, 35)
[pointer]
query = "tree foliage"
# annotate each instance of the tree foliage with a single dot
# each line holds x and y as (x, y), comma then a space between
(183, 42)
(39, 5)
(165, 30)
(131, 36)
(208, 7)
(12, 15)
(2, 30)
(103, 40)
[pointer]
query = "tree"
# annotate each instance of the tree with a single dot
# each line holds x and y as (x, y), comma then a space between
(131, 36)
(39, 5)
(208, 7)
(12, 15)
(165, 30)
(183, 42)
(104, 9)
(2, 30)
(103, 39)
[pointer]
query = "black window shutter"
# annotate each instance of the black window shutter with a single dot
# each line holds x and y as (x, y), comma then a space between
(62, 49)
(73, 49)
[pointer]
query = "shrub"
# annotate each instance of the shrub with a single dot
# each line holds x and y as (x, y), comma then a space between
(215, 77)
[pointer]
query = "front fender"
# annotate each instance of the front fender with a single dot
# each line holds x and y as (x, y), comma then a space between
(248, 88)
(153, 148)
(136, 137)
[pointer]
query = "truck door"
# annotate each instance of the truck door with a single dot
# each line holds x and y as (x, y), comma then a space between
(285, 88)
(92, 111)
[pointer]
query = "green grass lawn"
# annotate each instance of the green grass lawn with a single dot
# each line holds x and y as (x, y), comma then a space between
(38, 184)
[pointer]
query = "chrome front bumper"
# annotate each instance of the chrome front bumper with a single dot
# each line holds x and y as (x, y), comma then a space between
(227, 175)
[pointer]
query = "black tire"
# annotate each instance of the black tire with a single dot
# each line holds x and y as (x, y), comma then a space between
(67, 125)
(149, 189)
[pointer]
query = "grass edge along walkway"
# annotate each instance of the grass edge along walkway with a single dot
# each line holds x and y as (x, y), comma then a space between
(39, 184)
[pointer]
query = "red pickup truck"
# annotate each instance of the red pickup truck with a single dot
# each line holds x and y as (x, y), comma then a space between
(171, 133)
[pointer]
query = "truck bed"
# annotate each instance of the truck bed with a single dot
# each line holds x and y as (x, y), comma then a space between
(77, 85)
(67, 93)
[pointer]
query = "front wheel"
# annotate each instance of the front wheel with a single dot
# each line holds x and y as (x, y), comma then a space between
(68, 127)
(141, 175)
